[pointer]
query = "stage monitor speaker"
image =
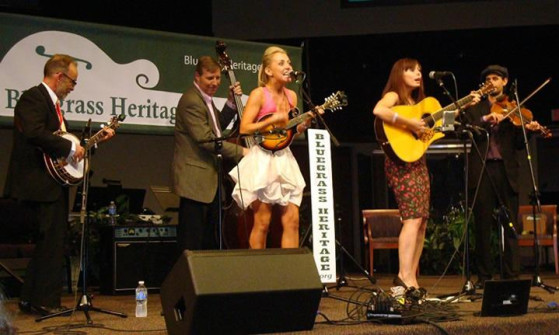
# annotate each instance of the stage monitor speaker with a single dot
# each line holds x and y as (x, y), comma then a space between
(241, 292)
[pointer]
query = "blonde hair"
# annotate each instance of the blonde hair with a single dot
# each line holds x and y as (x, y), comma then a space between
(266, 60)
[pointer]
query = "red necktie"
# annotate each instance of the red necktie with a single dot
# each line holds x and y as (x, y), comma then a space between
(60, 118)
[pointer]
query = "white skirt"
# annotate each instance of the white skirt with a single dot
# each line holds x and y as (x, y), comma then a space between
(273, 178)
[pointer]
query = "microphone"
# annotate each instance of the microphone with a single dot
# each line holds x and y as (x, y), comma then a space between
(298, 76)
(512, 88)
(436, 75)
(474, 128)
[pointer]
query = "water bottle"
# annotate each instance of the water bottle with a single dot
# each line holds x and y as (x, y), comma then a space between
(112, 213)
(141, 300)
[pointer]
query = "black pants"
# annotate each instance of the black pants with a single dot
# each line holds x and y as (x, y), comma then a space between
(43, 277)
(197, 229)
(487, 202)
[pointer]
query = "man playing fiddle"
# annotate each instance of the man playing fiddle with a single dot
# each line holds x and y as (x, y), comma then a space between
(498, 189)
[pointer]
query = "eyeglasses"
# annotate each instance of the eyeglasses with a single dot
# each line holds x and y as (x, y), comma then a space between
(72, 80)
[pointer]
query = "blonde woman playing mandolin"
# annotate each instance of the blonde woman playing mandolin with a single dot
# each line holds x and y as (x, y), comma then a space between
(265, 178)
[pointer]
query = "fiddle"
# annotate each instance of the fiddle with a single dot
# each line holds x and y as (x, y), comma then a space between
(509, 109)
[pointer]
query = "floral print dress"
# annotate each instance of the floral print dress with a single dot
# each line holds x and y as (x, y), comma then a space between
(411, 187)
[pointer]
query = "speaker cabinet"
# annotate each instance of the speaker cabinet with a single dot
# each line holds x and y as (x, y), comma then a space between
(241, 291)
(135, 253)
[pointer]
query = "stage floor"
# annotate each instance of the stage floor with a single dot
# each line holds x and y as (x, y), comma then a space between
(336, 315)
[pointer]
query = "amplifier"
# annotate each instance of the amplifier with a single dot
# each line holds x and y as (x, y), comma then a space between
(133, 253)
(145, 232)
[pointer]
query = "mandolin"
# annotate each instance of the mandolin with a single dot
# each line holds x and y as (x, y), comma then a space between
(274, 138)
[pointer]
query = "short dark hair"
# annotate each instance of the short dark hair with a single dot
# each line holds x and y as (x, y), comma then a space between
(208, 63)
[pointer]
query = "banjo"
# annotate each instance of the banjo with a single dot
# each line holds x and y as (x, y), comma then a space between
(69, 172)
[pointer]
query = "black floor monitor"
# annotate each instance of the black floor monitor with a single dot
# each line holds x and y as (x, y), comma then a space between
(505, 297)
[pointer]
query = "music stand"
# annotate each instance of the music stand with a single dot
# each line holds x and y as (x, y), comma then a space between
(84, 304)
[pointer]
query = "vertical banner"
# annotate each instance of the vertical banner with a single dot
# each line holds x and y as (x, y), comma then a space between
(322, 201)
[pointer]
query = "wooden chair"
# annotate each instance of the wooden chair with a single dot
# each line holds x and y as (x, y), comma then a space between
(546, 225)
(381, 228)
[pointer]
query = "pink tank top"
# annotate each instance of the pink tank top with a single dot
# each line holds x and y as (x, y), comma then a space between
(269, 105)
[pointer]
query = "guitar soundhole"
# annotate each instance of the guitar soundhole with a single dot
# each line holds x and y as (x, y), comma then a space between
(429, 121)
(294, 112)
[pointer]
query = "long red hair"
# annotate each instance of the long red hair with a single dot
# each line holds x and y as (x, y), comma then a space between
(396, 82)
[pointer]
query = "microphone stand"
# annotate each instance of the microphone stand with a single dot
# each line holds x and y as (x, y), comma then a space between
(85, 303)
(469, 287)
(308, 100)
(535, 202)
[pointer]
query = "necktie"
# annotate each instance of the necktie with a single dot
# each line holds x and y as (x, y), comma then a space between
(60, 118)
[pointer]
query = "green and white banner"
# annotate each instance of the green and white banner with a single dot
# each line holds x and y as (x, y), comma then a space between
(322, 204)
(135, 72)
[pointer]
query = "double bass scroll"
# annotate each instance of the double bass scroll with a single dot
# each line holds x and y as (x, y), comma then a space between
(225, 63)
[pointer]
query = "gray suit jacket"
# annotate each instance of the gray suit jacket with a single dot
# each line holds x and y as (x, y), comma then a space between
(194, 168)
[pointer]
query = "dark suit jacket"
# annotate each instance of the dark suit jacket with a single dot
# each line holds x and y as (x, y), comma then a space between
(194, 167)
(35, 121)
(510, 140)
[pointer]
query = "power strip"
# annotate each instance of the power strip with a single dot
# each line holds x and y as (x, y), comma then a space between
(385, 309)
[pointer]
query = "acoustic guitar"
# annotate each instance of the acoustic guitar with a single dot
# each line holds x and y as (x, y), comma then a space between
(275, 137)
(70, 172)
(404, 145)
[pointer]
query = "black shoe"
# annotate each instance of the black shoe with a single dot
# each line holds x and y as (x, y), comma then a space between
(25, 307)
(399, 282)
(423, 292)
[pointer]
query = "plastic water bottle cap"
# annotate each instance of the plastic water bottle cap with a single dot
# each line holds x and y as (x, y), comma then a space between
(141, 282)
